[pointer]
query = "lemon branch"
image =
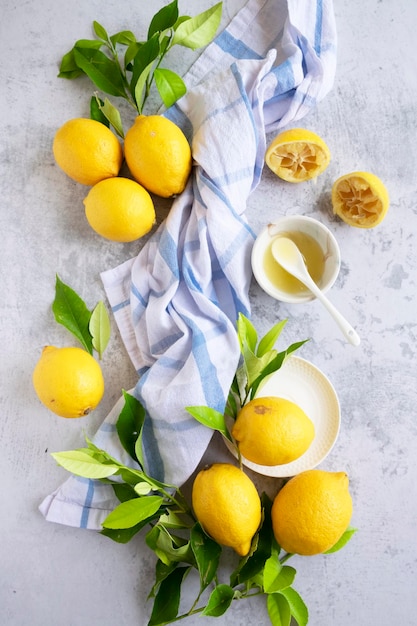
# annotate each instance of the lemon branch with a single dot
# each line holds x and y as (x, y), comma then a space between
(132, 78)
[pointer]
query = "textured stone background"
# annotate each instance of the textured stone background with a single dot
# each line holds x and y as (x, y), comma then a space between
(52, 574)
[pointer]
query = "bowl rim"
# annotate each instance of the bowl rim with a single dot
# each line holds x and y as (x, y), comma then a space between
(262, 240)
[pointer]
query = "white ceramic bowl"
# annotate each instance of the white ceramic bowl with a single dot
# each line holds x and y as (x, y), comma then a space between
(292, 224)
(305, 384)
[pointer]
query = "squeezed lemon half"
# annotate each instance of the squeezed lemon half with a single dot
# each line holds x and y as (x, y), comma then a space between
(297, 155)
(360, 199)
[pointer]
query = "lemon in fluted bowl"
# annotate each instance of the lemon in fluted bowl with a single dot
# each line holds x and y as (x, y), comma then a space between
(272, 431)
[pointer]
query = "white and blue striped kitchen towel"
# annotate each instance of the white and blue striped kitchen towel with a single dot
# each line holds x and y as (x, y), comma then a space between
(177, 302)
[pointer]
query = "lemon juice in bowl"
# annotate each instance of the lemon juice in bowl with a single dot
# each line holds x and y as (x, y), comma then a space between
(316, 243)
(314, 258)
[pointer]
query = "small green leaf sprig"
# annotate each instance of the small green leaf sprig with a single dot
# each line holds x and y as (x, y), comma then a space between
(173, 533)
(91, 328)
(119, 65)
(259, 360)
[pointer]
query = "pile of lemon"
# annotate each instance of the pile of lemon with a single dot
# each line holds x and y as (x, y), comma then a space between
(313, 509)
(157, 155)
(309, 514)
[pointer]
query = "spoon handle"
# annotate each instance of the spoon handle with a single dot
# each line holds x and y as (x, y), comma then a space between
(346, 328)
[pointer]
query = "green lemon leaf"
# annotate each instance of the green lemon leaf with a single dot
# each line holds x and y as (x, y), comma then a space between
(277, 576)
(164, 18)
(273, 365)
(123, 535)
(246, 333)
(88, 43)
(211, 418)
(123, 491)
(100, 31)
(95, 111)
(347, 536)
(169, 548)
(219, 601)
(170, 86)
(111, 115)
(162, 571)
(71, 311)
(129, 426)
(83, 463)
(253, 564)
(278, 609)
(68, 67)
(297, 606)
(268, 341)
(124, 37)
(142, 488)
(207, 555)
(132, 476)
(99, 327)
(131, 512)
(170, 519)
(102, 71)
(142, 64)
(198, 31)
(131, 52)
(140, 92)
(256, 367)
(167, 600)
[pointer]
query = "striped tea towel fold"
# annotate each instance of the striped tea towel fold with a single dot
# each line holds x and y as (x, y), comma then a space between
(176, 304)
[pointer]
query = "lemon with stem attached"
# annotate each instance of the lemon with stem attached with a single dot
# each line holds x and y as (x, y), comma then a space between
(158, 155)
(68, 381)
(227, 504)
(87, 151)
(312, 511)
(272, 431)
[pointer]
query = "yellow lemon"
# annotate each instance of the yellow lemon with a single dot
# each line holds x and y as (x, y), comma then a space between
(158, 155)
(119, 209)
(87, 151)
(272, 431)
(68, 381)
(297, 155)
(360, 199)
(227, 505)
(312, 511)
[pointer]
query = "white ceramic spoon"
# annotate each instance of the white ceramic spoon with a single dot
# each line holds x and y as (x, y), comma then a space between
(287, 254)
